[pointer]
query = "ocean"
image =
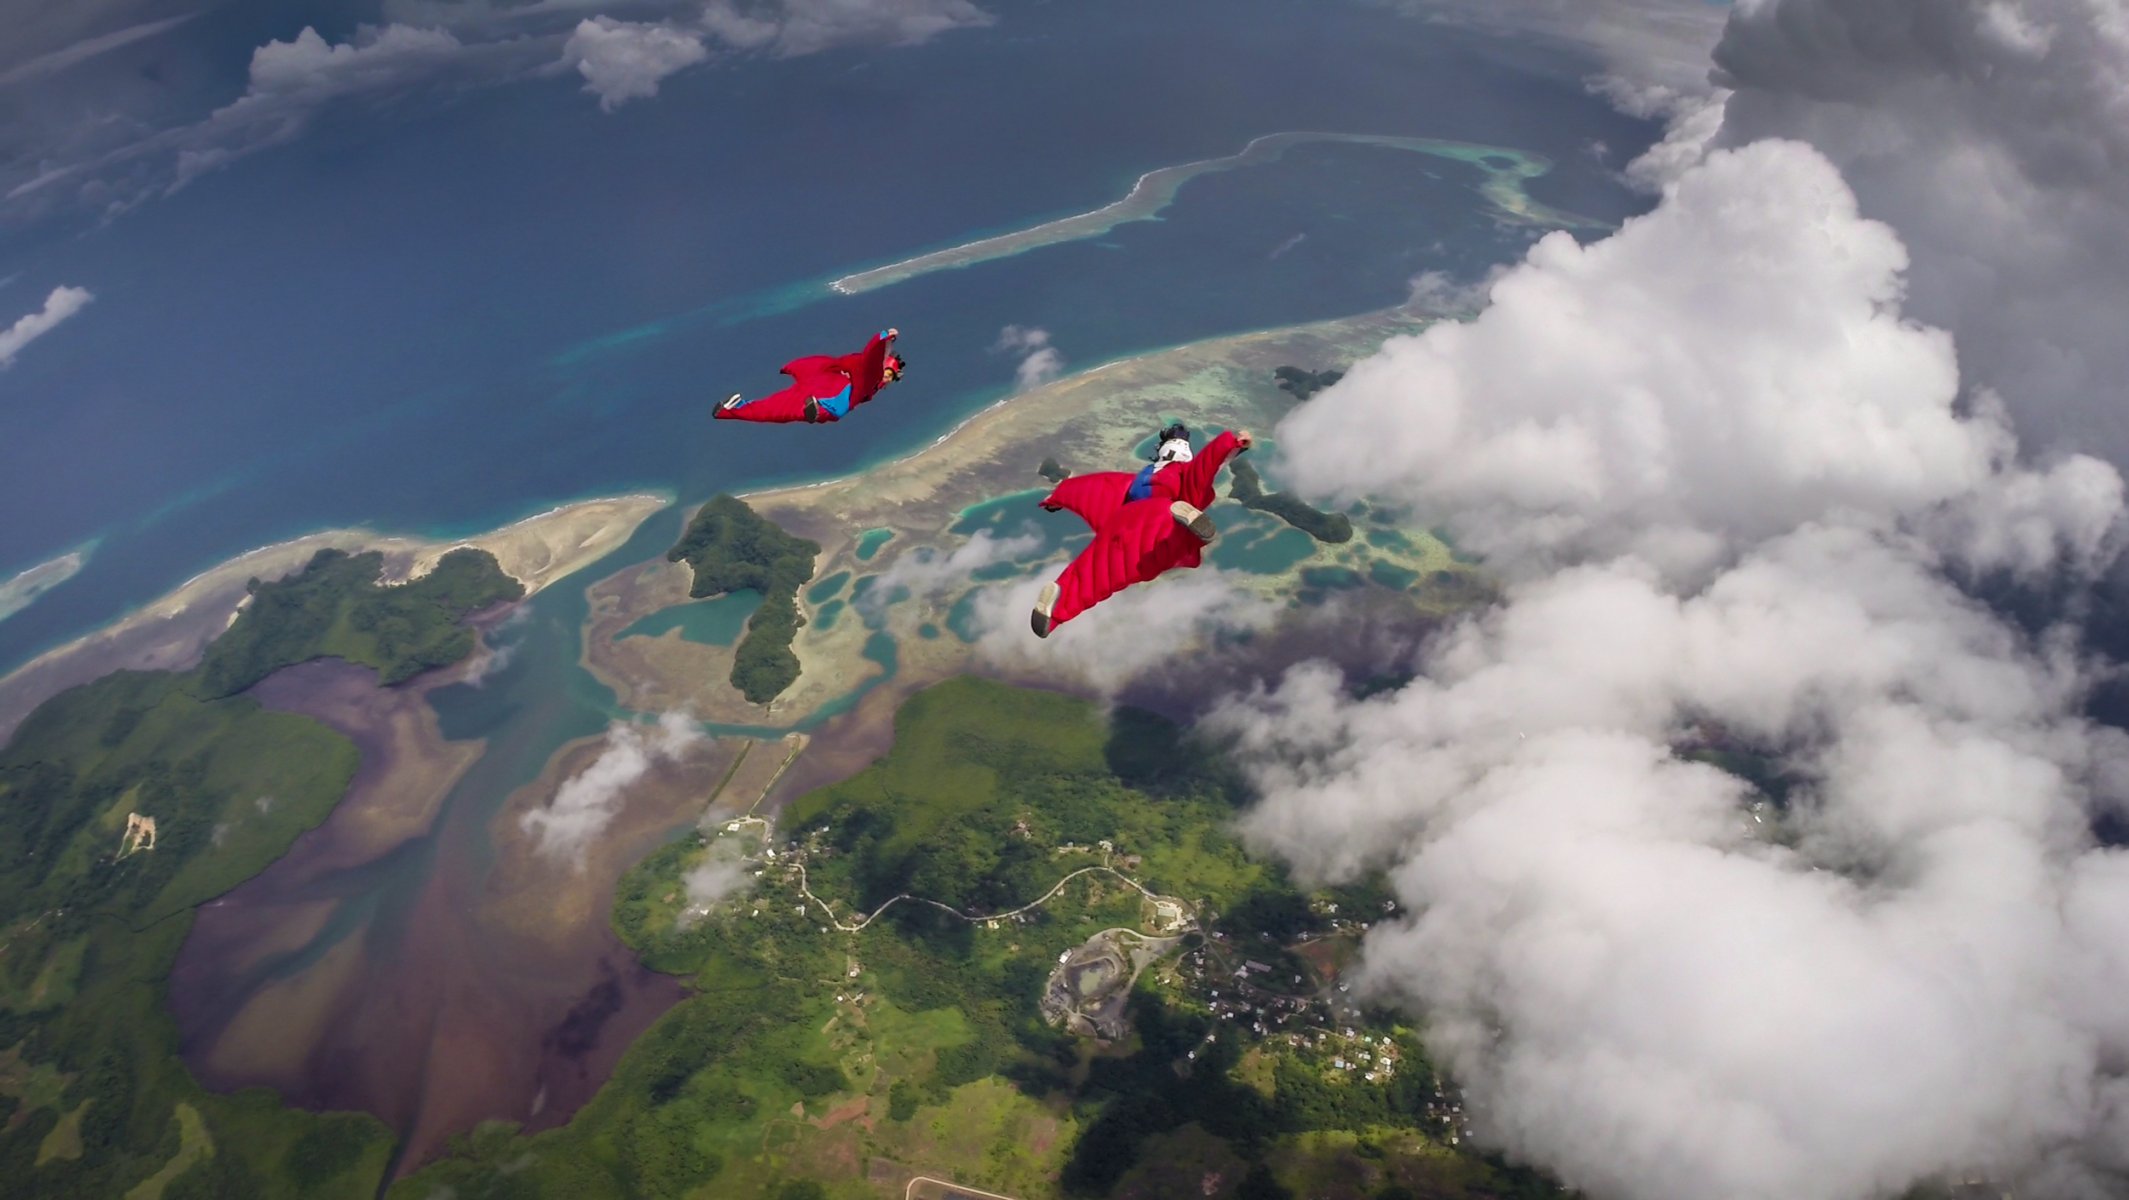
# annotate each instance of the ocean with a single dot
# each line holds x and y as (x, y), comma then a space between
(441, 317)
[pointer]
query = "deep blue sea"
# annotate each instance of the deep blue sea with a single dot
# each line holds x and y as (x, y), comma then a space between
(454, 312)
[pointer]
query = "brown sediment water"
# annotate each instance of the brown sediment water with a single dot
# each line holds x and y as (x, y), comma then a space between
(416, 957)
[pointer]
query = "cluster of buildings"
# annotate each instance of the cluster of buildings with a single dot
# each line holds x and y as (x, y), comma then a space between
(1373, 1058)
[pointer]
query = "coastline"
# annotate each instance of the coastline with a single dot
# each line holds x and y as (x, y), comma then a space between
(926, 496)
(170, 632)
(1502, 187)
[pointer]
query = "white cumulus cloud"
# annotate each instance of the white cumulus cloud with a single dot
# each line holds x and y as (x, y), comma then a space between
(1116, 641)
(1040, 361)
(715, 880)
(1589, 409)
(291, 80)
(930, 574)
(585, 805)
(624, 60)
(59, 306)
(1732, 485)
(1994, 135)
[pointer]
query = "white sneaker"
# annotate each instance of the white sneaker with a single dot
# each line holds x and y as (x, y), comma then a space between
(1045, 604)
(1192, 519)
(731, 402)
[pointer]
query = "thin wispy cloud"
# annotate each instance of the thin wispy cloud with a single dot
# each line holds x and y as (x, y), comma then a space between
(82, 51)
(588, 802)
(1040, 362)
(429, 45)
(931, 574)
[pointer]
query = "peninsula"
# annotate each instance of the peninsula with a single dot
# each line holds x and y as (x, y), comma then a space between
(170, 633)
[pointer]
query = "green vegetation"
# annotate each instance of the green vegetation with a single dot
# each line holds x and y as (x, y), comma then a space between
(229, 786)
(1248, 491)
(336, 609)
(93, 1099)
(734, 549)
(194, 1144)
(65, 1139)
(812, 1061)
(1303, 384)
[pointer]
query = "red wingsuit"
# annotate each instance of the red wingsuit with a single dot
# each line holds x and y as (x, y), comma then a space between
(837, 385)
(1135, 541)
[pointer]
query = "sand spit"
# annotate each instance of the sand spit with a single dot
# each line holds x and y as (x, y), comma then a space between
(1505, 173)
(18, 593)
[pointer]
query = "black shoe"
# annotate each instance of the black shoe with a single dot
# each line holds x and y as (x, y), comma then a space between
(813, 410)
(1045, 604)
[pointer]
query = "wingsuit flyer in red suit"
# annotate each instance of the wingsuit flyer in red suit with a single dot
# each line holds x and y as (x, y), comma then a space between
(1145, 524)
(823, 388)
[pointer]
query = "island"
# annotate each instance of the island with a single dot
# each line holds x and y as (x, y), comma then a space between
(170, 633)
(732, 549)
(1301, 384)
(336, 609)
(1248, 491)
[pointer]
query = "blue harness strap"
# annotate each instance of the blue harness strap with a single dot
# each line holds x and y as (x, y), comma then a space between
(1142, 487)
(839, 404)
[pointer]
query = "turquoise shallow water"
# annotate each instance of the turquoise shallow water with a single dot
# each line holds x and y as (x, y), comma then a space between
(1265, 546)
(714, 622)
(870, 541)
(820, 592)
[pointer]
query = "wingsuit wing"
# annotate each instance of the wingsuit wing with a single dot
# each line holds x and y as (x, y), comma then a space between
(866, 369)
(811, 364)
(1192, 481)
(1096, 498)
(821, 377)
(1140, 542)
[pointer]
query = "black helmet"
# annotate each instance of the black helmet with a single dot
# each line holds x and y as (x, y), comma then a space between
(1169, 434)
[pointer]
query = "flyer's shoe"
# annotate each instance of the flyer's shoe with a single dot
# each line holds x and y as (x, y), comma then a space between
(1045, 604)
(1191, 518)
